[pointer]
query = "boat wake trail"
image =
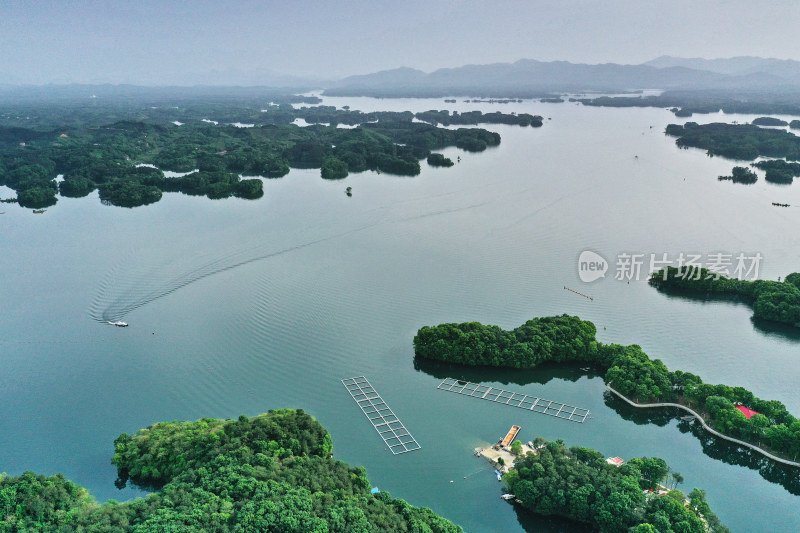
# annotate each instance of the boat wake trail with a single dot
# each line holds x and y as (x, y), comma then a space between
(115, 300)
(121, 293)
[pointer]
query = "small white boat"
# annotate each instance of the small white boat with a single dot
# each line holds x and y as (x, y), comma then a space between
(508, 497)
(119, 324)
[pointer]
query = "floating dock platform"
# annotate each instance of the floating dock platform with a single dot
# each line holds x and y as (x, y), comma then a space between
(382, 418)
(515, 399)
(510, 436)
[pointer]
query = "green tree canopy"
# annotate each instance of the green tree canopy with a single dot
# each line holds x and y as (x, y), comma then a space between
(272, 472)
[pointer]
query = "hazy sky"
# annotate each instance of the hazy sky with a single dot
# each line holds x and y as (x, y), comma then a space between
(170, 41)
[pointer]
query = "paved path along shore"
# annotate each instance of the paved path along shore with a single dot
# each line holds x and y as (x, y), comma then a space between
(707, 427)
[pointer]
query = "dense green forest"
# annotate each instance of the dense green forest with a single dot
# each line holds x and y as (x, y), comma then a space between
(736, 141)
(106, 158)
(556, 338)
(771, 300)
(628, 368)
(270, 473)
(210, 143)
(274, 110)
(579, 484)
(46, 108)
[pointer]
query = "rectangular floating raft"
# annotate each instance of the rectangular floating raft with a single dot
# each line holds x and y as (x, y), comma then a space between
(382, 418)
(510, 436)
(515, 399)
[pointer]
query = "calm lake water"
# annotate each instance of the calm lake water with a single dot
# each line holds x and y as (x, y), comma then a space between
(236, 307)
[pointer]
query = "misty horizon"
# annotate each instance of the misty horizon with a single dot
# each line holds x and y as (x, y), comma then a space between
(167, 43)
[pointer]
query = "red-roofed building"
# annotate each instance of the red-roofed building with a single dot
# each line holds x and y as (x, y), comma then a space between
(748, 413)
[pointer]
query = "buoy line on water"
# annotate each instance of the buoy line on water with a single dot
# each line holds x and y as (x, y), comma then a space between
(578, 293)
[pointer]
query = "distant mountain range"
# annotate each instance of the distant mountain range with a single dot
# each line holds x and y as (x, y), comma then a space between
(786, 69)
(529, 77)
(524, 78)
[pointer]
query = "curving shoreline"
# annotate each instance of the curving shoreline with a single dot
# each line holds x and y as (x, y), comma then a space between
(568, 338)
(706, 426)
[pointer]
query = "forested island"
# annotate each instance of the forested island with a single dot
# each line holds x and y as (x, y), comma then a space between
(776, 301)
(686, 102)
(272, 472)
(736, 141)
(630, 370)
(579, 484)
(476, 117)
(778, 170)
(769, 121)
(775, 171)
(126, 159)
(740, 175)
(438, 160)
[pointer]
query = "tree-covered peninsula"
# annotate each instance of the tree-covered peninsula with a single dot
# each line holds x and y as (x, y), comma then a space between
(269, 473)
(736, 141)
(579, 484)
(628, 368)
(776, 301)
